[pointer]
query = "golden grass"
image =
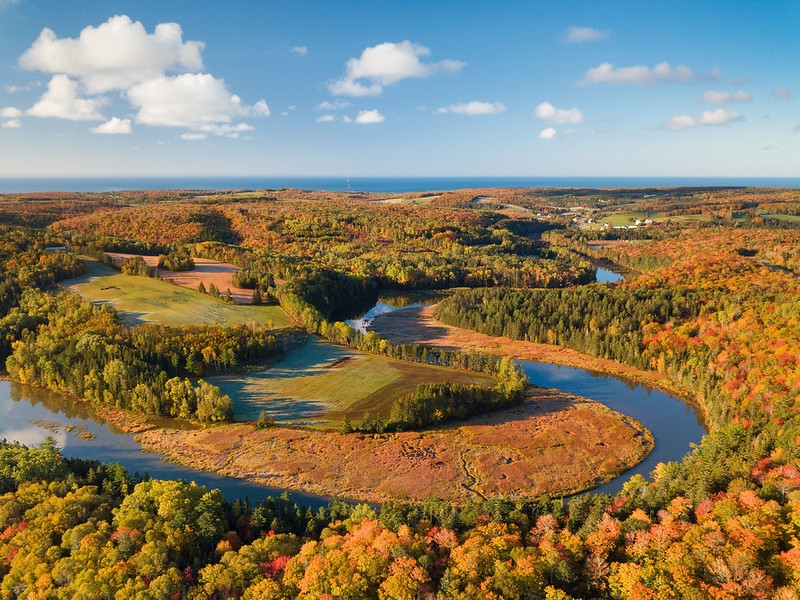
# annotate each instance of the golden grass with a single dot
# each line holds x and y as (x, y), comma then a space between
(555, 443)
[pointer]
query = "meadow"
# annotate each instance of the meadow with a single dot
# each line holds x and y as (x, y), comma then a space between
(142, 299)
(321, 384)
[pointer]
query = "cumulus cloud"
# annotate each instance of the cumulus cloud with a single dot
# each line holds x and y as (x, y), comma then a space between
(386, 64)
(61, 101)
(158, 73)
(712, 97)
(335, 105)
(194, 101)
(10, 112)
(781, 93)
(117, 54)
(578, 35)
(14, 89)
(325, 119)
(550, 113)
(663, 72)
(13, 124)
(368, 117)
(300, 50)
(721, 116)
(547, 134)
(114, 126)
(193, 137)
(474, 108)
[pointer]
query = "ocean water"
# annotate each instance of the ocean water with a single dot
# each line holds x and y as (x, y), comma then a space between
(384, 185)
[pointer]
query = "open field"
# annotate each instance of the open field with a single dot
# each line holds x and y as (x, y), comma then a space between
(205, 270)
(555, 443)
(321, 384)
(142, 299)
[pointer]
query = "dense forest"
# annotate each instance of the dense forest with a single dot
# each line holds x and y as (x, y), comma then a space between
(714, 309)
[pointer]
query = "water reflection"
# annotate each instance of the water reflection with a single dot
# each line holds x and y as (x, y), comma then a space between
(30, 415)
(675, 424)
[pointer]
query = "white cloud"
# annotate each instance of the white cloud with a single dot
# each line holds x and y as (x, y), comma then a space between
(335, 105)
(474, 108)
(326, 119)
(300, 50)
(577, 35)
(7, 3)
(13, 124)
(347, 119)
(115, 126)
(721, 116)
(781, 93)
(10, 112)
(367, 117)
(547, 134)
(192, 137)
(117, 54)
(386, 64)
(13, 89)
(550, 113)
(61, 100)
(121, 55)
(663, 72)
(194, 101)
(712, 97)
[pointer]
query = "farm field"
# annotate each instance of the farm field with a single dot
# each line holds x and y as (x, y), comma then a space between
(142, 299)
(206, 271)
(554, 443)
(321, 384)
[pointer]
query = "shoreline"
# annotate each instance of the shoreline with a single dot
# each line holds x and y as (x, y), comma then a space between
(555, 443)
(418, 325)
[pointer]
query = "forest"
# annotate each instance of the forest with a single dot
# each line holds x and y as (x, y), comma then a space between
(711, 304)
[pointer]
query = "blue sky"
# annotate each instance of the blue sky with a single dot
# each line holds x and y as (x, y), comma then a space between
(449, 88)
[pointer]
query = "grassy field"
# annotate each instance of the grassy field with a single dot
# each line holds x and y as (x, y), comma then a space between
(142, 299)
(320, 384)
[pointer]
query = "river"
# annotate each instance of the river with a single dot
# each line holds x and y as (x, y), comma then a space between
(30, 415)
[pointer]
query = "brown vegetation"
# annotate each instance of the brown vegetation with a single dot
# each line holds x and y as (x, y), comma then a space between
(555, 443)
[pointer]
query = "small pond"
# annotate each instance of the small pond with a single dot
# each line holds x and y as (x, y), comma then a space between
(607, 276)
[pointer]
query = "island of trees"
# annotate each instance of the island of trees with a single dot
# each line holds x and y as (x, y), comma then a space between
(710, 306)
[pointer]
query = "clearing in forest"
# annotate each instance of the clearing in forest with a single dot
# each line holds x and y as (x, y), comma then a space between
(143, 299)
(321, 384)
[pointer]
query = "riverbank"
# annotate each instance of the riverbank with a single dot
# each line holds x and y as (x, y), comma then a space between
(555, 443)
(418, 325)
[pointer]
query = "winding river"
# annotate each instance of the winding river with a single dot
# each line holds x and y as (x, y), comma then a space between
(30, 415)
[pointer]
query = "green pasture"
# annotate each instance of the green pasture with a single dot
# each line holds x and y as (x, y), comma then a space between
(142, 299)
(321, 384)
